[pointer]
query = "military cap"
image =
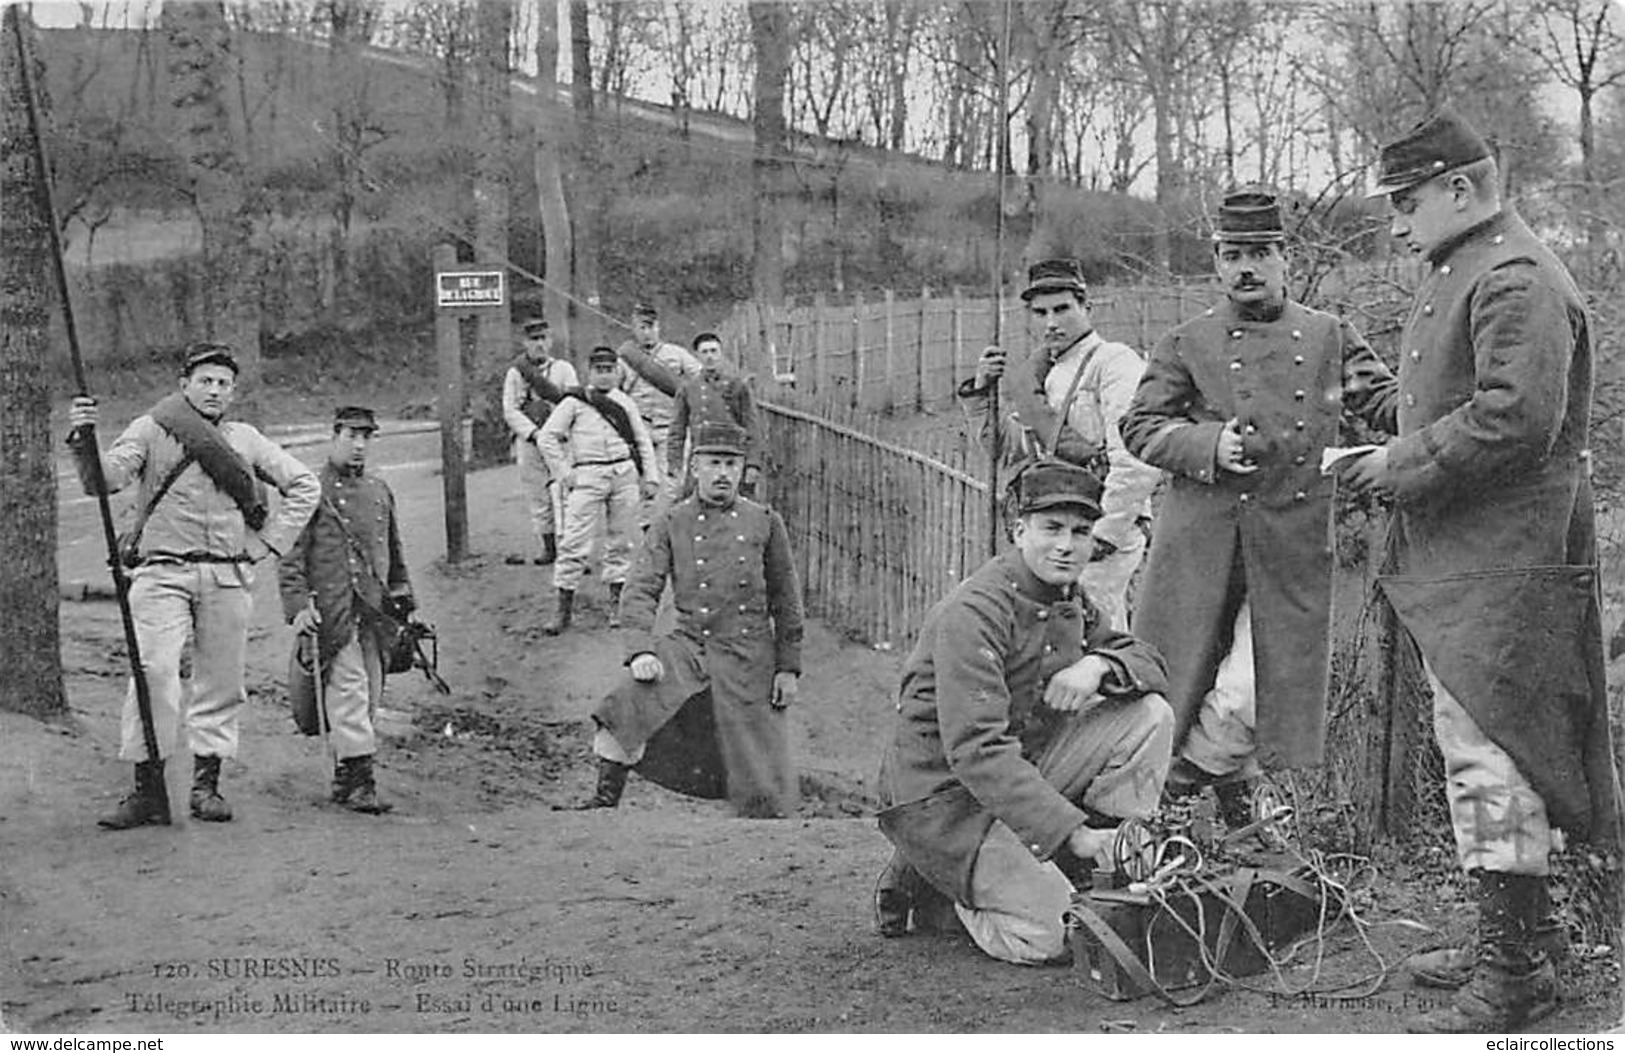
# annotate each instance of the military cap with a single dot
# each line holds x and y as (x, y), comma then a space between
(1249, 215)
(645, 310)
(206, 354)
(1434, 147)
(1054, 484)
(534, 325)
(601, 355)
(719, 437)
(1055, 275)
(356, 418)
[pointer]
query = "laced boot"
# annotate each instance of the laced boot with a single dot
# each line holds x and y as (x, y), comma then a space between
(561, 621)
(342, 786)
(363, 789)
(1449, 968)
(207, 804)
(615, 604)
(145, 804)
(550, 549)
(611, 783)
(1513, 983)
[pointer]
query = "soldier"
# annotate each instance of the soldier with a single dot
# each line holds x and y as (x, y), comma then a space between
(533, 385)
(344, 580)
(1494, 562)
(1237, 404)
(203, 528)
(705, 708)
(651, 370)
(1027, 728)
(599, 450)
(1069, 399)
(716, 395)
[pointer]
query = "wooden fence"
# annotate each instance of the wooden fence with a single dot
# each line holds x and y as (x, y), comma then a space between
(895, 355)
(880, 531)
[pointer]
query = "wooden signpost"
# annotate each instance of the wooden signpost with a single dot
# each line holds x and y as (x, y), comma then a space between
(463, 293)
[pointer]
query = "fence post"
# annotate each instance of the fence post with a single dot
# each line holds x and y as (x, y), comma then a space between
(958, 328)
(919, 351)
(820, 364)
(860, 376)
(891, 351)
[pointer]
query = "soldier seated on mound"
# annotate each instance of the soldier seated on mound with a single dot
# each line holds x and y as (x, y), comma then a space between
(705, 709)
(1027, 729)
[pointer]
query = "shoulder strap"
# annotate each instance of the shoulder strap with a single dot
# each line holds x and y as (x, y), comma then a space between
(158, 494)
(1071, 396)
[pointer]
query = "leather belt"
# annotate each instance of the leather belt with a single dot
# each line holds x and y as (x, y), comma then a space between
(597, 464)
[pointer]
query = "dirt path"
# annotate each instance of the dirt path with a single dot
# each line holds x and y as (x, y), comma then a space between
(475, 906)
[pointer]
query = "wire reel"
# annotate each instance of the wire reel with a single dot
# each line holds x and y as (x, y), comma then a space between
(1274, 819)
(1134, 850)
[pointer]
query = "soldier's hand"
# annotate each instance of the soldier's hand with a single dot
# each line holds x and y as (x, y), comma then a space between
(307, 620)
(1077, 685)
(647, 668)
(990, 366)
(1367, 473)
(82, 412)
(1088, 843)
(785, 687)
(1230, 455)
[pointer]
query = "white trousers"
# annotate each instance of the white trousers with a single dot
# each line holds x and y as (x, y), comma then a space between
(1105, 581)
(1221, 740)
(355, 686)
(541, 496)
(604, 499)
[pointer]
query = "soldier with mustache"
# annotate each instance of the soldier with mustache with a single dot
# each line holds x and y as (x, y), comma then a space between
(1237, 405)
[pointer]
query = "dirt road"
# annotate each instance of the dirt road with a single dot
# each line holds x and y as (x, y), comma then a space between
(477, 907)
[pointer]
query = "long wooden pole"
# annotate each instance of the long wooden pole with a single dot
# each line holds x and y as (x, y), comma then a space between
(1001, 161)
(85, 444)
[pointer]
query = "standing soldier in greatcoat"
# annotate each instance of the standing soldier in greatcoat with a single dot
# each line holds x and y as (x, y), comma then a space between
(342, 580)
(1494, 568)
(205, 527)
(533, 385)
(599, 451)
(1237, 404)
(1069, 398)
(705, 710)
(1027, 729)
(717, 395)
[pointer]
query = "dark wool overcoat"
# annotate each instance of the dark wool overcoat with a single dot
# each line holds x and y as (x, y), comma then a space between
(972, 721)
(1221, 537)
(1495, 571)
(739, 622)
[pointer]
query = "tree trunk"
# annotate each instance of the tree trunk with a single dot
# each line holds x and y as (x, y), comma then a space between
(347, 21)
(198, 59)
(587, 197)
(30, 650)
(770, 31)
(551, 139)
(494, 109)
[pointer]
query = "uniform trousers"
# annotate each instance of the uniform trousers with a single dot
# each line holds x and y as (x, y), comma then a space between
(1221, 740)
(541, 496)
(1499, 820)
(211, 603)
(355, 686)
(665, 496)
(1112, 758)
(603, 499)
(1106, 581)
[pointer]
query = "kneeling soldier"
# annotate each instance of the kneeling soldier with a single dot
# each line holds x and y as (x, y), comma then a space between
(1027, 728)
(342, 580)
(704, 711)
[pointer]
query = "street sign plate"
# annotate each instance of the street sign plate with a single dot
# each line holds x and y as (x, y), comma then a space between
(470, 289)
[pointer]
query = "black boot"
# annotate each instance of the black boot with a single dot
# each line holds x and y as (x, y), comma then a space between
(1450, 968)
(561, 620)
(615, 604)
(207, 804)
(611, 783)
(1513, 983)
(145, 805)
(895, 892)
(550, 549)
(341, 784)
(1235, 800)
(363, 795)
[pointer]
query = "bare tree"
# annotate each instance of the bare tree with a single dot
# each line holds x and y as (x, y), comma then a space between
(29, 644)
(492, 86)
(350, 25)
(552, 139)
(770, 39)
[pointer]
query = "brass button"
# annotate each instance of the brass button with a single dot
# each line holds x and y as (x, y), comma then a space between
(1235, 334)
(1300, 459)
(1251, 430)
(1244, 498)
(1300, 425)
(1235, 365)
(1445, 269)
(1427, 308)
(1297, 334)
(1410, 400)
(1416, 356)
(1300, 496)
(1299, 394)
(1297, 360)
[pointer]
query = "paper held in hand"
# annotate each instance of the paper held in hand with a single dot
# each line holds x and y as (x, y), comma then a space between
(1333, 454)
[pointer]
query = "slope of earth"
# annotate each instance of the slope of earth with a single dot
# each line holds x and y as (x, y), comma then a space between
(476, 906)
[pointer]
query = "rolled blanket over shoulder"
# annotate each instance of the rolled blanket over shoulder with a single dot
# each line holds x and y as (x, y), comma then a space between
(203, 440)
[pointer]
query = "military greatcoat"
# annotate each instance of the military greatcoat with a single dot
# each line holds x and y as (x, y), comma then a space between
(739, 622)
(1495, 558)
(973, 721)
(1265, 537)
